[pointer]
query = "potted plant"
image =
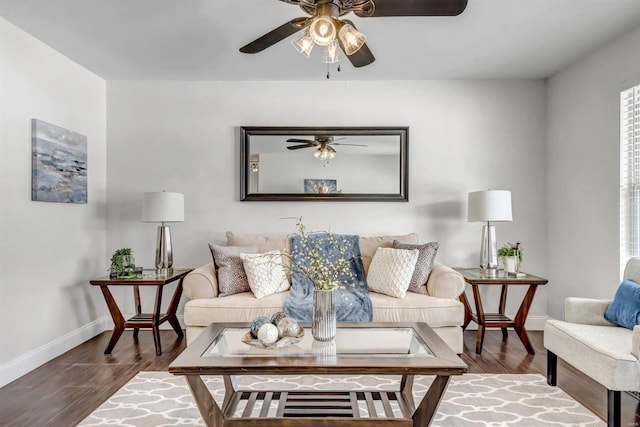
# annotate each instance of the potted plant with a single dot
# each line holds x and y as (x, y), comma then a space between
(122, 263)
(511, 255)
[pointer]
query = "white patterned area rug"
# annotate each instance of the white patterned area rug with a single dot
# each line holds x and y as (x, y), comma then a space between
(482, 400)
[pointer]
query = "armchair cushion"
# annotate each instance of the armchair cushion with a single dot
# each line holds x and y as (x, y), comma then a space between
(586, 311)
(625, 307)
(635, 342)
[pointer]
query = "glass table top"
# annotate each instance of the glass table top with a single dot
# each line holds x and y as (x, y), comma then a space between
(400, 342)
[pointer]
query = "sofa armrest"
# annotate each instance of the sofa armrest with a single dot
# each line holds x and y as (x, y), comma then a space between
(201, 282)
(445, 282)
(635, 342)
(586, 311)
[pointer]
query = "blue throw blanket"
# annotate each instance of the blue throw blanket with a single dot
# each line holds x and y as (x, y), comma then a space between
(351, 299)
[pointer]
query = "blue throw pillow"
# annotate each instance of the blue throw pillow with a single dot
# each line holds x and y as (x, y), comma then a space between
(625, 308)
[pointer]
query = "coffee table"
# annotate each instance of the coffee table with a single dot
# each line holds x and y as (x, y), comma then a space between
(405, 349)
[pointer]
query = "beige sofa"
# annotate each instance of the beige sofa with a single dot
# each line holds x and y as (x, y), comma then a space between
(441, 308)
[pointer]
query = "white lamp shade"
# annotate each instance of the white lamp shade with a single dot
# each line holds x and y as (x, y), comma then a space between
(490, 205)
(163, 207)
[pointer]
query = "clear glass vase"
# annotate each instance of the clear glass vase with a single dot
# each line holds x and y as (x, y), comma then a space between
(323, 322)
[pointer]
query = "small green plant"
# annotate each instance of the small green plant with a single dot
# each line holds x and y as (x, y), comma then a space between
(122, 263)
(511, 249)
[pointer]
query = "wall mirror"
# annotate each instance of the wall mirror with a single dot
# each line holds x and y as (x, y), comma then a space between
(324, 163)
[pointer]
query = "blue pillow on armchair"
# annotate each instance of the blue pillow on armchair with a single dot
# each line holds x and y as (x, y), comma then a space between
(625, 307)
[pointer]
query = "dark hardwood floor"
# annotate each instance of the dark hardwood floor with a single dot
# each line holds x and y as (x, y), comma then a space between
(67, 389)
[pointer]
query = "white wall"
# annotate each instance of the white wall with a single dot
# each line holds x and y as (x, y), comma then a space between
(48, 251)
(464, 136)
(583, 160)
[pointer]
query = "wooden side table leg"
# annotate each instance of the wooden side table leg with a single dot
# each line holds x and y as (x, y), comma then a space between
(136, 297)
(467, 311)
(521, 318)
(116, 315)
(501, 309)
(406, 389)
(430, 402)
(155, 321)
(481, 319)
(173, 307)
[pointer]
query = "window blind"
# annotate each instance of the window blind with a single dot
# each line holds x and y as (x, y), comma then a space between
(629, 175)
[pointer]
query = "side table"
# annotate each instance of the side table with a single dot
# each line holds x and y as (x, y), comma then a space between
(144, 320)
(476, 278)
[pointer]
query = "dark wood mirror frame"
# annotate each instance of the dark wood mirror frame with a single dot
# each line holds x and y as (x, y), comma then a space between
(247, 133)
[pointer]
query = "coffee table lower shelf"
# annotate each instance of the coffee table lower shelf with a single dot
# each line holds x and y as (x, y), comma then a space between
(243, 408)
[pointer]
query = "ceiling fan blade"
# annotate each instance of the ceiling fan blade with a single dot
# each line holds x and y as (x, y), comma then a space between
(274, 36)
(417, 8)
(353, 145)
(306, 141)
(362, 56)
(297, 147)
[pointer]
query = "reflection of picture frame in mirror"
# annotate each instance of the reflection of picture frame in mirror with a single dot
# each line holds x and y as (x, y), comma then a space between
(320, 186)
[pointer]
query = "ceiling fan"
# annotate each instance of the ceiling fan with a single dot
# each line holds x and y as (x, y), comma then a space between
(325, 27)
(324, 143)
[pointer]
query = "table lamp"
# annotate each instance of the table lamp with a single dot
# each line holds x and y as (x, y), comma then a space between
(489, 206)
(163, 207)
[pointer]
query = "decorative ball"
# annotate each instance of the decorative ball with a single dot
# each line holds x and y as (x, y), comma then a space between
(277, 317)
(255, 325)
(288, 327)
(268, 334)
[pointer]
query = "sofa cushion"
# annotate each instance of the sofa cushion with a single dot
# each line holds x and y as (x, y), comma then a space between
(369, 245)
(426, 258)
(264, 244)
(265, 273)
(391, 270)
(602, 352)
(624, 310)
(434, 311)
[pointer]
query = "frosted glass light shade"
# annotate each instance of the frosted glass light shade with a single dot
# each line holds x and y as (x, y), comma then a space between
(163, 207)
(322, 30)
(324, 153)
(352, 39)
(304, 44)
(331, 54)
(490, 205)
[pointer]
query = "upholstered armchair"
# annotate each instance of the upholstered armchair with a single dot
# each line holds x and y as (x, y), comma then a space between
(604, 351)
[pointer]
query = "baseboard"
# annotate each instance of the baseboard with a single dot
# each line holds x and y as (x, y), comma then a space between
(534, 323)
(27, 362)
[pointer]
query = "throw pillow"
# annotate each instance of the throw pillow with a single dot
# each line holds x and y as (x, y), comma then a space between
(369, 245)
(265, 273)
(426, 257)
(391, 270)
(625, 307)
(232, 278)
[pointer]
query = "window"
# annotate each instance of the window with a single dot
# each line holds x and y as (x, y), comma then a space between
(629, 174)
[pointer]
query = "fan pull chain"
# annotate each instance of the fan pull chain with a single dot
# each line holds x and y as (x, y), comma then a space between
(329, 71)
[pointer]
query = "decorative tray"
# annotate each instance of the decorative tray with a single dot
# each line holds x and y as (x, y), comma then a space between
(281, 343)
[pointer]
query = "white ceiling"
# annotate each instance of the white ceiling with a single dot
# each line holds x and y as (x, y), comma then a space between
(199, 39)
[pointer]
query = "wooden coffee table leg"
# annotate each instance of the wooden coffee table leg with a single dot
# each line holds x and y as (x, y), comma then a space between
(209, 409)
(429, 405)
(406, 389)
(230, 389)
(521, 318)
(116, 315)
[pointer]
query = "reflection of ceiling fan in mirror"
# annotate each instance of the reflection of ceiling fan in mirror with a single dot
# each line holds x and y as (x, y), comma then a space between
(325, 151)
(324, 26)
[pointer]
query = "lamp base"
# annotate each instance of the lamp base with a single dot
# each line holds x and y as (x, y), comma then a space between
(164, 250)
(489, 272)
(489, 250)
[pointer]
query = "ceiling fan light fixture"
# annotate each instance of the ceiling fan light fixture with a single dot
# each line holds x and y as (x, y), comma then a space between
(323, 30)
(324, 153)
(304, 44)
(351, 39)
(331, 53)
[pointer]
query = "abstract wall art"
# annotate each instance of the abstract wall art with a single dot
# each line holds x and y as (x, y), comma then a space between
(59, 164)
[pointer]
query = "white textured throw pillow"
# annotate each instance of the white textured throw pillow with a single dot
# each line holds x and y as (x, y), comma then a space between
(265, 273)
(391, 270)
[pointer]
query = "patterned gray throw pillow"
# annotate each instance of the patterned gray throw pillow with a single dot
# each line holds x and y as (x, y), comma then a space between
(426, 257)
(232, 278)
